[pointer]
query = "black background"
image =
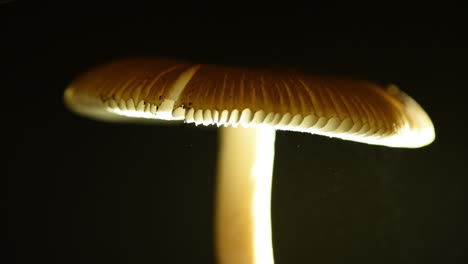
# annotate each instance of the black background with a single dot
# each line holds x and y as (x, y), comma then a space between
(81, 191)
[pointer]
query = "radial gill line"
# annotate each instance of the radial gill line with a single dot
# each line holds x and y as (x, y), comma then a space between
(145, 91)
(290, 96)
(118, 88)
(222, 92)
(304, 111)
(131, 88)
(253, 92)
(282, 107)
(265, 99)
(331, 92)
(137, 91)
(350, 110)
(180, 83)
(363, 115)
(242, 88)
(211, 94)
(315, 103)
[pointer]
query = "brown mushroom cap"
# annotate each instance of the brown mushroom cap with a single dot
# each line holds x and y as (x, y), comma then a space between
(155, 88)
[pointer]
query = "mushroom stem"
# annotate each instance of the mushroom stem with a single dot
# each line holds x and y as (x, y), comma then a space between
(245, 169)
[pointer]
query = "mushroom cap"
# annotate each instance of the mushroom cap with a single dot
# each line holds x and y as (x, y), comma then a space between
(157, 88)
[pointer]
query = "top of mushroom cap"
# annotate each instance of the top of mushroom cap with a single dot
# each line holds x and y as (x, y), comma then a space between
(155, 88)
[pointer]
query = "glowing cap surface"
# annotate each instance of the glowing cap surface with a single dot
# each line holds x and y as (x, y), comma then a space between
(154, 88)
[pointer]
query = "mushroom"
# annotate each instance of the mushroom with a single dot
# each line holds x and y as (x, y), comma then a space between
(249, 105)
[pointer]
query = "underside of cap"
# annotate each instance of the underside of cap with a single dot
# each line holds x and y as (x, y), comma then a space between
(152, 88)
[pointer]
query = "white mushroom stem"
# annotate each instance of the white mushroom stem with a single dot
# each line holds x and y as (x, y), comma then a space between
(243, 222)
